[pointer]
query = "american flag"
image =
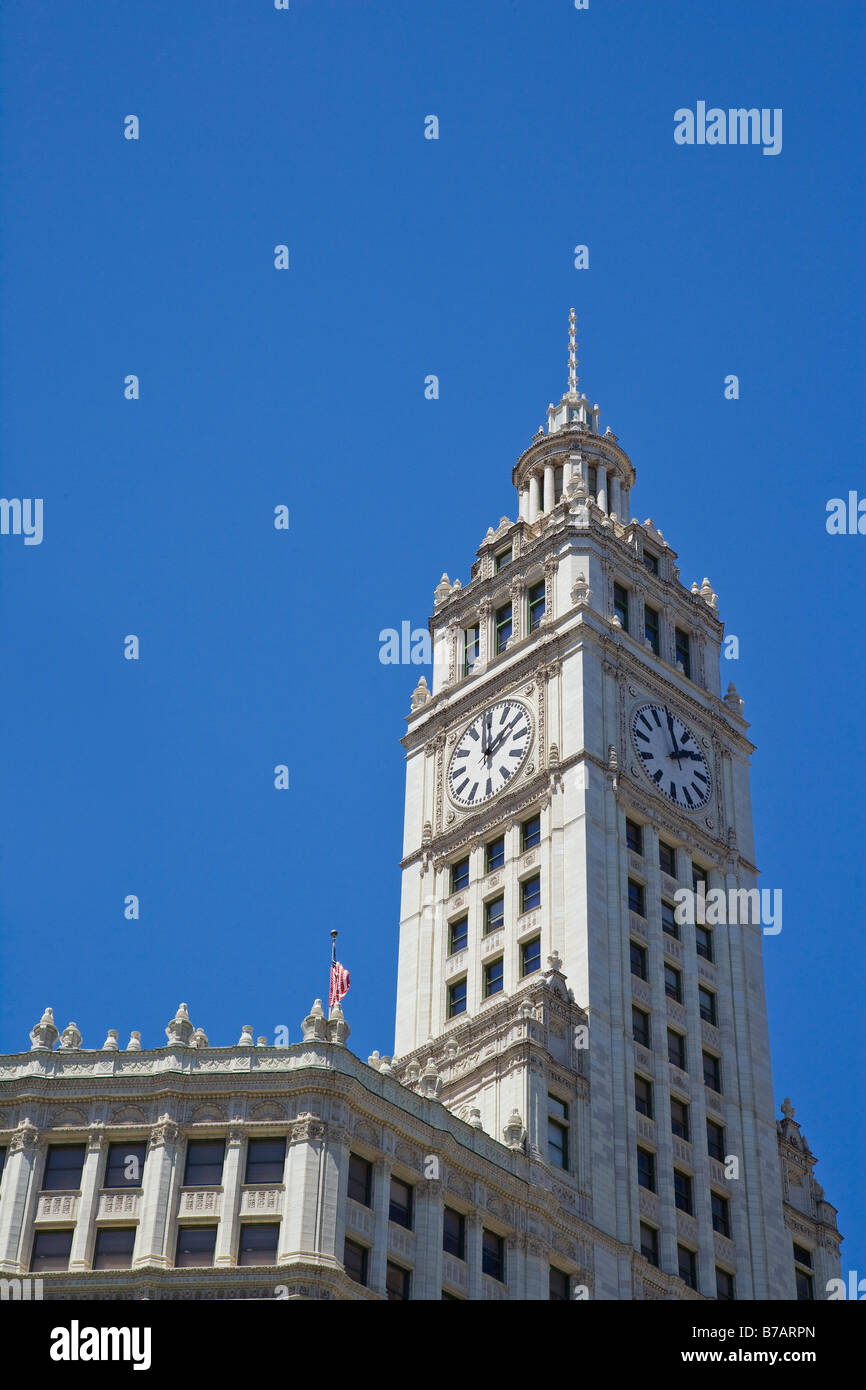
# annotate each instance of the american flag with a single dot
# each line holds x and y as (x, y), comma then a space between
(339, 983)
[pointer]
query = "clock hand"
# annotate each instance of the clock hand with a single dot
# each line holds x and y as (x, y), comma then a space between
(501, 736)
(675, 750)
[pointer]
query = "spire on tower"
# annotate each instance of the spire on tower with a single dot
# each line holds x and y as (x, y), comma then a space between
(572, 353)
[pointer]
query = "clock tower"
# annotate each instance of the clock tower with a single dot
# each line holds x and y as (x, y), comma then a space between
(574, 768)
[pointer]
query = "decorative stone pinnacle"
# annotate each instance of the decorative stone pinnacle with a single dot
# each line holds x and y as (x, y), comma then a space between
(554, 962)
(787, 1109)
(246, 1037)
(110, 1044)
(134, 1044)
(572, 353)
(45, 1034)
(421, 693)
(70, 1038)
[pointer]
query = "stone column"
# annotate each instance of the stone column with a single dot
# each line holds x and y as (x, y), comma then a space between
(566, 475)
(429, 1215)
(615, 496)
(381, 1203)
(601, 487)
(81, 1254)
(485, 612)
(537, 1279)
(224, 1253)
(473, 1255)
(519, 618)
(549, 488)
(534, 497)
(523, 496)
(17, 1176)
(156, 1194)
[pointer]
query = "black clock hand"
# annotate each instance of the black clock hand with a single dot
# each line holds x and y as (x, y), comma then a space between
(675, 750)
(501, 736)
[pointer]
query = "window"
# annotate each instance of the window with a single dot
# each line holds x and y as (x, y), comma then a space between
(535, 600)
(558, 1283)
(50, 1251)
(803, 1256)
(397, 1282)
(721, 1210)
(457, 998)
(640, 1026)
(687, 1265)
(530, 833)
(530, 893)
(677, 1049)
(803, 1276)
(680, 1118)
(400, 1204)
(557, 484)
(494, 854)
(669, 921)
(643, 1096)
(113, 1248)
(63, 1168)
(502, 621)
(266, 1161)
(667, 859)
(724, 1285)
(707, 1005)
(683, 1192)
(454, 1233)
(2, 1163)
(460, 875)
(494, 915)
(620, 605)
(651, 627)
(636, 901)
(493, 1255)
(470, 648)
(355, 1260)
(649, 1243)
(592, 481)
(651, 562)
(557, 1132)
(204, 1163)
(684, 651)
(195, 1246)
(530, 956)
(673, 983)
(125, 1166)
(712, 1072)
(493, 977)
(699, 878)
(360, 1187)
(638, 960)
(716, 1141)
(634, 836)
(458, 935)
(646, 1169)
(704, 942)
(503, 558)
(258, 1243)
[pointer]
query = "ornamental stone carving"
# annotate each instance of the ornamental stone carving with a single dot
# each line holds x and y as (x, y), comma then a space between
(44, 1036)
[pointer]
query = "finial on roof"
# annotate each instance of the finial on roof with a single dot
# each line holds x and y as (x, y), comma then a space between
(572, 352)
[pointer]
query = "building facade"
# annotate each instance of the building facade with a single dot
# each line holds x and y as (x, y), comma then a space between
(580, 1102)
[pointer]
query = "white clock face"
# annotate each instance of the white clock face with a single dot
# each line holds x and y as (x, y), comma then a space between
(671, 756)
(489, 752)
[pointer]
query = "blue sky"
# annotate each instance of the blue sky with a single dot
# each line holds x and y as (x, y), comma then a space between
(306, 387)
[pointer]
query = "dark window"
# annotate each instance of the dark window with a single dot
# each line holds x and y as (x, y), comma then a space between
(530, 833)
(636, 902)
(643, 1096)
(683, 1192)
(716, 1141)
(470, 649)
(684, 651)
(113, 1248)
(651, 627)
(530, 956)
(266, 1161)
(699, 878)
(400, 1205)
(651, 562)
(457, 998)
(493, 1255)
(535, 599)
(530, 893)
(667, 859)
(673, 983)
(707, 1005)
(50, 1251)
(125, 1167)
(355, 1258)
(649, 1243)
(592, 481)
(360, 1180)
(494, 915)
(454, 1233)
(493, 980)
(494, 854)
(63, 1168)
(558, 1286)
(679, 1118)
(803, 1256)
(2, 1163)
(712, 1072)
(646, 1169)
(704, 942)
(724, 1285)
(397, 1282)
(620, 605)
(557, 484)
(195, 1246)
(204, 1163)
(805, 1285)
(503, 558)
(677, 1049)
(721, 1214)
(557, 1132)
(638, 960)
(502, 620)
(640, 1026)
(669, 921)
(687, 1266)
(460, 875)
(634, 836)
(458, 935)
(258, 1244)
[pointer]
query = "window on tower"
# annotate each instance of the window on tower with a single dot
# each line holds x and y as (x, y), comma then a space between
(707, 1005)
(652, 628)
(470, 648)
(716, 1141)
(638, 960)
(457, 998)
(669, 920)
(503, 558)
(803, 1273)
(360, 1187)
(687, 1265)
(646, 1169)
(634, 836)
(592, 481)
(643, 1096)
(683, 650)
(620, 605)
(651, 562)
(530, 833)
(704, 942)
(355, 1259)
(493, 977)
(557, 1132)
(557, 484)
(400, 1203)
(677, 1049)
(458, 935)
(649, 1243)
(494, 854)
(558, 1286)
(503, 624)
(683, 1192)
(724, 1285)
(454, 1233)
(713, 1072)
(721, 1213)
(636, 898)
(667, 859)
(530, 893)
(460, 875)
(680, 1118)
(535, 602)
(640, 1026)
(530, 956)
(673, 983)
(493, 1255)
(494, 914)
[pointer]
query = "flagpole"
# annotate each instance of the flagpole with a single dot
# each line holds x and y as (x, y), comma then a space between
(333, 964)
